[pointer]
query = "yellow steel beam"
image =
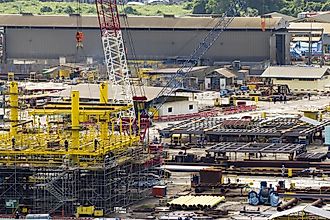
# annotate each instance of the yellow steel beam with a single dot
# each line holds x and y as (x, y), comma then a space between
(54, 153)
(89, 106)
(13, 98)
(104, 93)
(104, 120)
(75, 119)
(81, 111)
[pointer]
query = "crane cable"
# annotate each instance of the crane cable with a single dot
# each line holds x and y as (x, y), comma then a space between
(79, 33)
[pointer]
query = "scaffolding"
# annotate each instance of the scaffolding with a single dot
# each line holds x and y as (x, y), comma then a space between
(73, 162)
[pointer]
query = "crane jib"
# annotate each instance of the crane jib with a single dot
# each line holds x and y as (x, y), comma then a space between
(207, 42)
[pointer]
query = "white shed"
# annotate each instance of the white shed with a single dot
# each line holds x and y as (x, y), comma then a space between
(178, 108)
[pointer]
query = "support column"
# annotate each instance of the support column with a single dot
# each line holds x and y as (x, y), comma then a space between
(104, 93)
(104, 118)
(75, 120)
(13, 100)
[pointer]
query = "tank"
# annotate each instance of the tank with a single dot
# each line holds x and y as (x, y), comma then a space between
(274, 199)
(263, 196)
(253, 198)
(263, 184)
(327, 135)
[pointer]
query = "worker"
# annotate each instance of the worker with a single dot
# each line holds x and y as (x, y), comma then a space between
(283, 170)
(17, 215)
(309, 96)
(284, 99)
(13, 141)
(155, 141)
(66, 145)
(95, 144)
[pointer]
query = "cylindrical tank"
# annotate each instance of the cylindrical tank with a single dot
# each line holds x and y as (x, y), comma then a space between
(263, 195)
(253, 198)
(274, 199)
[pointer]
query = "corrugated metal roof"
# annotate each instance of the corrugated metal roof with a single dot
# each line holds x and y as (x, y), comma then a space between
(310, 26)
(92, 91)
(225, 72)
(294, 72)
(138, 22)
(310, 121)
(280, 15)
(175, 70)
(308, 208)
(321, 17)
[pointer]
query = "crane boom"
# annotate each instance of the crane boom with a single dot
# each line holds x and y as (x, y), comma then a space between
(114, 51)
(117, 69)
(197, 54)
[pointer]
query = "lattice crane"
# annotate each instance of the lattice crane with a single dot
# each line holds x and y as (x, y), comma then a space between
(117, 68)
(197, 54)
(114, 52)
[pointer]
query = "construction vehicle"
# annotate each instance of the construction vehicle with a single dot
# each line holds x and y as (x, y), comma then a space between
(88, 211)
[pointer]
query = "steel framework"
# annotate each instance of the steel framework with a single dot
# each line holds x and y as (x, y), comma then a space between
(82, 160)
(121, 179)
(2, 44)
(114, 51)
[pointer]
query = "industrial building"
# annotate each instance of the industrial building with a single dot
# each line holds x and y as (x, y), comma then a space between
(34, 38)
(300, 79)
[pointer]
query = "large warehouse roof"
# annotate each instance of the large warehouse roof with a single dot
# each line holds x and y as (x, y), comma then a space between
(139, 22)
(294, 72)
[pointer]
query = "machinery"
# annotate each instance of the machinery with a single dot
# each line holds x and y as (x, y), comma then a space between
(266, 196)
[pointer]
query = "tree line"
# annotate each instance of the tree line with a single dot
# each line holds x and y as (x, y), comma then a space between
(260, 7)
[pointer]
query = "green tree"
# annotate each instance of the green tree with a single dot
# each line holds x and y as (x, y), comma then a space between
(251, 12)
(188, 6)
(217, 7)
(199, 7)
(130, 10)
(326, 6)
(45, 9)
(265, 6)
(68, 10)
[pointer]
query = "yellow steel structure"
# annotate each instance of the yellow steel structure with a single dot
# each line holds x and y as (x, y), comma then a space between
(76, 130)
(13, 90)
(104, 118)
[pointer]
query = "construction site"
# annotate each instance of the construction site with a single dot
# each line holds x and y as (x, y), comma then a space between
(183, 118)
(73, 163)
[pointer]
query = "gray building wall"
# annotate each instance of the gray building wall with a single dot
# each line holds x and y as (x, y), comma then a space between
(52, 43)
